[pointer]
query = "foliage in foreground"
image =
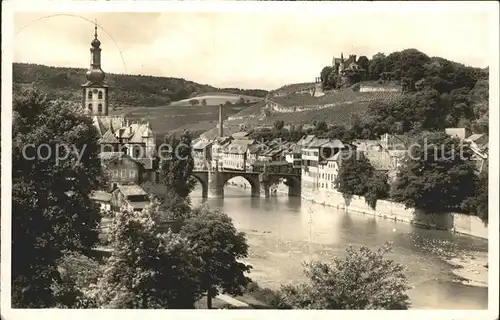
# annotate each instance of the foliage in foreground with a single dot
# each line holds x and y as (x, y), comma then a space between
(363, 279)
(148, 268)
(220, 248)
(51, 209)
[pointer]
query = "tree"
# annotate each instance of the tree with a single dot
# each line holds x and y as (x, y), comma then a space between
(51, 209)
(436, 176)
(177, 165)
(478, 202)
(220, 247)
(377, 66)
(363, 279)
(364, 63)
(376, 188)
(279, 124)
(78, 274)
(325, 72)
(337, 132)
(204, 102)
(354, 172)
(321, 126)
(194, 102)
(148, 268)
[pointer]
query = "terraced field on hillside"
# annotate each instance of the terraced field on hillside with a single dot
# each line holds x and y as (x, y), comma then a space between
(333, 108)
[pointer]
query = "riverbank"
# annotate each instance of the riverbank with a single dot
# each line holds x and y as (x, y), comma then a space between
(454, 222)
(469, 269)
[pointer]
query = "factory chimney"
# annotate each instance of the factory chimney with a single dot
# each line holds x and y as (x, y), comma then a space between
(221, 122)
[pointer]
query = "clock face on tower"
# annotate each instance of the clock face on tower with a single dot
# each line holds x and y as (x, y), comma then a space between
(95, 91)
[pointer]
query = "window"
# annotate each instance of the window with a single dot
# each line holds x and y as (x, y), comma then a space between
(99, 95)
(99, 108)
(89, 94)
(137, 152)
(123, 173)
(108, 148)
(90, 106)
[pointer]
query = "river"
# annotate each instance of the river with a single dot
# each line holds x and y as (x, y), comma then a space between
(282, 232)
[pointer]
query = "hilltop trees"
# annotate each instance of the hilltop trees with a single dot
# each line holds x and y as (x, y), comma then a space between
(51, 209)
(363, 279)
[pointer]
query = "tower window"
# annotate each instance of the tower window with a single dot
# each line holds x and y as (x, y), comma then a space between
(89, 94)
(99, 108)
(99, 95)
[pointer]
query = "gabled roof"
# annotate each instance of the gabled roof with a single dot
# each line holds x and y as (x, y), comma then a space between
(100, 196)
(334, 144)
(240, 135)
(255, 148)
(109, 137)
(317, 142)
(475, 136)
(131, 190)
(201, 144)
(305, 140)
(460, 133)
(104, 123)
(238, 146)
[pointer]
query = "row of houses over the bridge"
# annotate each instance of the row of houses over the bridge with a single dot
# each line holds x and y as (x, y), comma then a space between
(239, 152)
(316, 159)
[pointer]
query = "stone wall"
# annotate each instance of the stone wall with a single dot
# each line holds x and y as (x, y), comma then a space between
(470, 225)
(456, 222)
(364, 88)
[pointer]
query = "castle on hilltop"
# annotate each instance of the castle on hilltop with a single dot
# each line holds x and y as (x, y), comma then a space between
(341, 65)
(128, 149)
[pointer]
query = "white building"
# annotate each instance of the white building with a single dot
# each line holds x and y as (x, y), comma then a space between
(235, 153)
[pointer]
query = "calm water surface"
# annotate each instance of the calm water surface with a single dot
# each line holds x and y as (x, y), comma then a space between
(282, 232)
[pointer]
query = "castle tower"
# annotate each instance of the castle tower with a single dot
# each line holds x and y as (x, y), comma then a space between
(95, 91)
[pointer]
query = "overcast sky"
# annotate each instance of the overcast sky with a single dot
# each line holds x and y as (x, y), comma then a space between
(247, 50)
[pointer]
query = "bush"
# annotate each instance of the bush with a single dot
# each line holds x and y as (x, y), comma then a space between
(363, 279)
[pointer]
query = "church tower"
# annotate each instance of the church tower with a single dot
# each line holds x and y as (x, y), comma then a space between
(95, 91)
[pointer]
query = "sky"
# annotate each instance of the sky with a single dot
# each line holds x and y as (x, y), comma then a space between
(247, 49)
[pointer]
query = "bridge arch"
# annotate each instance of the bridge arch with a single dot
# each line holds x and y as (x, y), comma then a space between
(251, 178)
(293, 182)
(202, 178)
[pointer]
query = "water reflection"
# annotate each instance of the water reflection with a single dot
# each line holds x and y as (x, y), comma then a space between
(284, 231)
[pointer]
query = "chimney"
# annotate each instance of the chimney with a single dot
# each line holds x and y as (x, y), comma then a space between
(221, 124)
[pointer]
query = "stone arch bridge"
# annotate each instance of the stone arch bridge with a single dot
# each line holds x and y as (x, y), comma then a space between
(213, 182)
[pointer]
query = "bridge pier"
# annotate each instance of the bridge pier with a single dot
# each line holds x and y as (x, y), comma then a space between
(215, 185)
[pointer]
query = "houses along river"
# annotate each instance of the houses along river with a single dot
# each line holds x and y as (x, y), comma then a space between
(282, 232)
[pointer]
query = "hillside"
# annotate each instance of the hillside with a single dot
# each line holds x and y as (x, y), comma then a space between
(434, 93)
(127, 90)
(340, 107)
